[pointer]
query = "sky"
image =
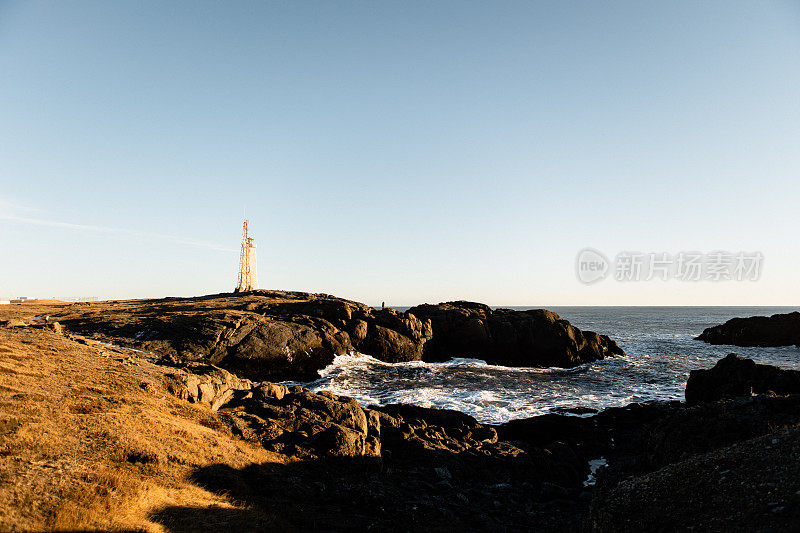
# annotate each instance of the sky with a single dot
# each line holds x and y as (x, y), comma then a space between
(398, 152)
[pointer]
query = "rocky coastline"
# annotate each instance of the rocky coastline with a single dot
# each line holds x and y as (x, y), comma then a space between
(762, 331)
(725, 459)
(280, 335)
(443, 469)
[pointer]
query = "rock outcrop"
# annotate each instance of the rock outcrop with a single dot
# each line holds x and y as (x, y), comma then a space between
(724, 466)
(299, 423)
(306, 425)
(776, 330)
(715, 465)
(735, 376)
(15, 323)
(260, 335)
(203, 383)
(275, 335)
(506, 337)
(37, 322)
(396, 462)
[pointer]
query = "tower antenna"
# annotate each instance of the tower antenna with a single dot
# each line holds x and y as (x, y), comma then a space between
(248, 276)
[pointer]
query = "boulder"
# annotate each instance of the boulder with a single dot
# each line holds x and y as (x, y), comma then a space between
(776, 330)
(202, 383)
(304, 424)
(222, 399)
(507, 337)
(735, 376)
(271, 390)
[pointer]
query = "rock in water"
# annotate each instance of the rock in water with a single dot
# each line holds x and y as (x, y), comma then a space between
(776, 330)
(735, 376)
(506, 337)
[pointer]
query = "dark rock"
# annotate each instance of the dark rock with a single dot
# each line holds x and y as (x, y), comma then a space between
(776, 330)
(611, 432)
(714, 465)
(340, 441)
(276, 335)
(303, 423)
(726, 489)
(506, 337)
(423, 416)
(710, 426)
(736, 376)
(669, 466)
(262, 335)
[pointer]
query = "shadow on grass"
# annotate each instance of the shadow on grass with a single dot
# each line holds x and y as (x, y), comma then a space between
(430, 491)
(201, 519)
(334, 494)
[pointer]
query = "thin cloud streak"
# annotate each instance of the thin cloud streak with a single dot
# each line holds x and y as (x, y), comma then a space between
(101, 229)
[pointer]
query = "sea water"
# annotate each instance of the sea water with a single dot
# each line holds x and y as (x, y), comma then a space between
(659, 343)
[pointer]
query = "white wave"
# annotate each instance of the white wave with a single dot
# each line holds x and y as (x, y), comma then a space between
(656, 368)
(356, 360)
(490, 393)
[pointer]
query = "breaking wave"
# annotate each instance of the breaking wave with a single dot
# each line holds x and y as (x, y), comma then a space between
(661, 353)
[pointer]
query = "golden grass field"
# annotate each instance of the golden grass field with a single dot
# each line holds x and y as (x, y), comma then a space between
(90, 439)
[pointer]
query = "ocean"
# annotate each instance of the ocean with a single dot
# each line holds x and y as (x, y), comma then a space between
(659, 343)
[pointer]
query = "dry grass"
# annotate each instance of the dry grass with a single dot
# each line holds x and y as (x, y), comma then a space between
(89, 440)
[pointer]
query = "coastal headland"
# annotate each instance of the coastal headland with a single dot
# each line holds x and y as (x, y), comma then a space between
(280, 335)
(166, 415)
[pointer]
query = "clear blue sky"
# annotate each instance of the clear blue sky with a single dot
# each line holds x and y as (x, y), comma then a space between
(397, 151)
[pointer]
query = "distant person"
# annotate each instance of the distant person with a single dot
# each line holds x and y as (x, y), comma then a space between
(383, 306)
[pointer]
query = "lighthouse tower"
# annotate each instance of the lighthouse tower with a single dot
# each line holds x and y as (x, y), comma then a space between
(248, 276)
